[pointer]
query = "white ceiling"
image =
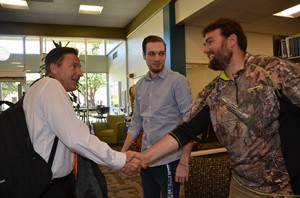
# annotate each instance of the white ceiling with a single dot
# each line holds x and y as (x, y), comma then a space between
(254, 15)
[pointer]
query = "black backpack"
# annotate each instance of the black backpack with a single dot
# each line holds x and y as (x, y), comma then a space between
(289, 131)
(23, 172)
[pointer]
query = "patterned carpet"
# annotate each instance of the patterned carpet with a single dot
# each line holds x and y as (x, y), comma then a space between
(120, 185)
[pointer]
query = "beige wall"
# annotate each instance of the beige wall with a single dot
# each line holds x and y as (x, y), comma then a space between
(199, 75)
(197, 72)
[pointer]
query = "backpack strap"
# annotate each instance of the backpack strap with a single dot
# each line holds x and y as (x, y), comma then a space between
(54, 146)
(53, 150)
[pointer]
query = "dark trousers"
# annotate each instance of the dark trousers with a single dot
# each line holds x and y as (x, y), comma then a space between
(61, 188)
(160, 180)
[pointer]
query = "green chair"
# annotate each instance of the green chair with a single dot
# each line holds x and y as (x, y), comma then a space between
(112, 131)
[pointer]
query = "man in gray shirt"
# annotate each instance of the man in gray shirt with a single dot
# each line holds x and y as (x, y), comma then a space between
(162, 99)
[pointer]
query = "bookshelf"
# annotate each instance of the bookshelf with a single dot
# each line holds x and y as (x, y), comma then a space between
(290, 48)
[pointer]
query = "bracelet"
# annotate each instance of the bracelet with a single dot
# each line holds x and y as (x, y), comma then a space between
(187, 165)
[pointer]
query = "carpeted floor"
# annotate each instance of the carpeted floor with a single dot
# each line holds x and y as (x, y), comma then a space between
(120, 185)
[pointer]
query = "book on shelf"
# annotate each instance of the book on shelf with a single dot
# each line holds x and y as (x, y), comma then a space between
(290, 46)
(283, 48)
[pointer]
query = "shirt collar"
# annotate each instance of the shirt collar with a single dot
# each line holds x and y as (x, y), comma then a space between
(225, 77)
(161, 74)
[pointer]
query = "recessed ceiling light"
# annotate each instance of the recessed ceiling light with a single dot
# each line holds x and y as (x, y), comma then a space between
(291, 12)
(89, 9)
(14, 4)
(15, 63)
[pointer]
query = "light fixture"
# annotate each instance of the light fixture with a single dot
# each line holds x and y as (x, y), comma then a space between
(89, 9)
(291, 12)
(4, 54)
(15, 63)
(14, 4)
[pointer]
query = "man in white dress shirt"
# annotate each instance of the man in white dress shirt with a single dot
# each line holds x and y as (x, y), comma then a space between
(49, 113)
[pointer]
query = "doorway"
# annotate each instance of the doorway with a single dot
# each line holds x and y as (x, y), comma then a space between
(11, 90)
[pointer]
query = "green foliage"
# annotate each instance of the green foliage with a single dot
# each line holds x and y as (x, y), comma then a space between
(8, 88)
(59, 44)
(91, 85)
(56, 44)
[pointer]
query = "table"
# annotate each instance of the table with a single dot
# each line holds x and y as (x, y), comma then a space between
(85, 112)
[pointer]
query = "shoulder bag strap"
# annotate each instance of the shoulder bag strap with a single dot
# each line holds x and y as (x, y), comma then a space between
(53, 150)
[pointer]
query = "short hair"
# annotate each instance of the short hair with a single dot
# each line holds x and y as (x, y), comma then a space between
(228, 27)
(56, 56)
(152, 39)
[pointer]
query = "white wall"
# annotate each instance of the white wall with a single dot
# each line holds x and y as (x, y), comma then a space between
(136, 63)
(117, 67)
(118, 72)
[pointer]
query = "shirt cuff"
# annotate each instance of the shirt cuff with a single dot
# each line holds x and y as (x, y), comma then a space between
(120, 160)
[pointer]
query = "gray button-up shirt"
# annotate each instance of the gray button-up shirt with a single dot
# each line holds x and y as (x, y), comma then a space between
(160, 103)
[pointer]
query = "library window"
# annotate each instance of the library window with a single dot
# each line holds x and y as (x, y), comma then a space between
(21, 58)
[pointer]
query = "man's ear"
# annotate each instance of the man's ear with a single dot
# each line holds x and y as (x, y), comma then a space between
(144, 56)
(232, 40)
(53, 68)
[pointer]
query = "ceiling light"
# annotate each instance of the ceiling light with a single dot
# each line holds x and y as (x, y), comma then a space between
(15, 63)
(292, 12)
(89, 9)
(14, 4)
(4, 54)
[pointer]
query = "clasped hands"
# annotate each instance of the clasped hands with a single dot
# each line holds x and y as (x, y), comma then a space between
(134, 162)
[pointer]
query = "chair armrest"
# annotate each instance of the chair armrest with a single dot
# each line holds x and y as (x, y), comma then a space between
(120, 129)
(99, 126)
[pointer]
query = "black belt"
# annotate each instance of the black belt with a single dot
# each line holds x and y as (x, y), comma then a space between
(62, 179)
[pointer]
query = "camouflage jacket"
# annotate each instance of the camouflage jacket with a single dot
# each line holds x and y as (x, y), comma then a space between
(244, 113)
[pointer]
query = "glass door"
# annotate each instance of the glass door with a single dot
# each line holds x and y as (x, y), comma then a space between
(11, 90)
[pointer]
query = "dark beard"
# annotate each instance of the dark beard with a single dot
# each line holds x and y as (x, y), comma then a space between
(221, 59)
(156, 71)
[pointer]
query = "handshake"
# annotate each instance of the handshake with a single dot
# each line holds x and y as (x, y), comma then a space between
(134, 162)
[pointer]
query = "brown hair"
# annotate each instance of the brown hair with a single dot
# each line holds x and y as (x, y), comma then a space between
(228, 27)
(56, 56)
(152, 39)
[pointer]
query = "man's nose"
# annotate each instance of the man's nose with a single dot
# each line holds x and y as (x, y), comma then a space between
(157, 56)
(205, 49)
(80, 72)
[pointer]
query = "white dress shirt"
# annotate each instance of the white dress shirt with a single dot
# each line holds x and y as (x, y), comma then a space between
(49, 113)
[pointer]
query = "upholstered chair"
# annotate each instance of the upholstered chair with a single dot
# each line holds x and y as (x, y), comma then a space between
(112, 131)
